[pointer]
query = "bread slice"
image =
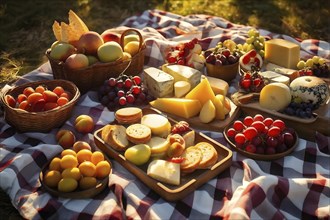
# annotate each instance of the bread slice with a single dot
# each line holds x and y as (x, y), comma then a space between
(210, 155)
(192, 157)
(138, 133)
(128, 115)
(115, 136)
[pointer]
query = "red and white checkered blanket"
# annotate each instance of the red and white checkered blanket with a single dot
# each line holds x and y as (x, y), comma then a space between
(294, 187)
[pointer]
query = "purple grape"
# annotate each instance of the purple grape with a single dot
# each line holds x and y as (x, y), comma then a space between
(288, 139)
(272, 142)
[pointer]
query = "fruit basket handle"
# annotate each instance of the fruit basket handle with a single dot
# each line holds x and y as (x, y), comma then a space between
(129, 31)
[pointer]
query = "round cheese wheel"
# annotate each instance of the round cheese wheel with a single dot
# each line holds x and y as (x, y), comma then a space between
(310, 89)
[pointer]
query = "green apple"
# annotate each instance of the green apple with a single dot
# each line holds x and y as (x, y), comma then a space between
(138, 154)
(131, 37)
(92, 59)
(110, 51)
(61, 51)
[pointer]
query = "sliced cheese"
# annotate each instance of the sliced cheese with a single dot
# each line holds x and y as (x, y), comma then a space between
(158, 145)
(291, 73)
(202, 92)
(158, 124)
(181, 88)
(218, 86)
(185, 108)
(275, 77)
(183, 73)
(164, 171)
(159, 83)
(282, 52)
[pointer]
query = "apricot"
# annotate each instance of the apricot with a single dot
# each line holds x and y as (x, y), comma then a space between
(65, 138)
(84, 155)
(67, 185)
(62, 101)
(80, 145)
(21, 98)
(84, 124)
(11, 101)
(87, 168)
(50, 96)
(69, 161)
(68, 152)
(24, 105)
(87, 182)
(97, 157)
(55, 164)
(52, 178)
(34, 97)
(102, 169)
(58, 90)
(40, 89)
(28, 91)
(73, 172)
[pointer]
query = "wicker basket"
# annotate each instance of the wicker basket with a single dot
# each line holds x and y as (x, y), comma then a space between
(25, 121)
(95, 75)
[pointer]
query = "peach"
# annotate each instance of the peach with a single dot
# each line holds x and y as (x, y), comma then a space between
(84, 124)
(62, 51)
(109, 35)
(65, 138)
(80, 145)
(89, 42)
(77, 61)
(110, 51)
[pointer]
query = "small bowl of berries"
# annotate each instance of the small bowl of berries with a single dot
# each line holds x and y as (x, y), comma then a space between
(261, 138)
(222, 61)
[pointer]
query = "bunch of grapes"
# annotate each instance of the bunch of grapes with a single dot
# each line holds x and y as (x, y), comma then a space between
(252, 81)
(314, 66)
(300, 109)
(254, 41)
(123, 91)
(225, 53)
(261, 135)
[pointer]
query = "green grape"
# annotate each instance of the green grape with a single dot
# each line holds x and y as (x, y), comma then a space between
(249, 40)
(261, 39)
(321, 61)
(245, 46)
(258, 45)
(309, 63)
(301, 65)
(256, 33)
(239, 46)
(315, 59)
(251, 32)
(250, 47)
(262, 53)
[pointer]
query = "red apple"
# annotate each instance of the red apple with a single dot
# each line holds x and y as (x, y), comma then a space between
(77, 61)
(89, 42)
(109, 35)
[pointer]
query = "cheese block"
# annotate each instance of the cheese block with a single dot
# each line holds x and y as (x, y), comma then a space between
(271, 77)
(218, 86)
(185, 108)
(282, 52)
(202, 92)
(181, 88)
(183, 73)
(275, 96)
(291, 73)
(310, 89)
(158, 124)
(159, 83)
(164, 171)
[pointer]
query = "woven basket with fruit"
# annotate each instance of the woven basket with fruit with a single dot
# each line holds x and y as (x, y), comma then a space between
(88, 58)
(41, 105)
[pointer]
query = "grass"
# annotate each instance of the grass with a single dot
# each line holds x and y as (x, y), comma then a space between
(26, 32)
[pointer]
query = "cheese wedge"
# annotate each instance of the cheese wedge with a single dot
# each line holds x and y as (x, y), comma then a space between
(218, 86)
(164, 171)
(185, 108)
(202, 92)
(181, 88)
(282, 52)
(159, 83)
(275, 77)
(183, 73)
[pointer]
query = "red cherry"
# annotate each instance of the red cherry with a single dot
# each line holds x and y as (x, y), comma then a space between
(137, 80)
(238, 126)
(136, 90)
(259, 125)
(231, 132)
(248, 120)
(274, 131)
(268, 121)
(258, 117)
(128, 83)
(240, 138)
(279, 123)
(251, 148)
(246, 83)
(250, 133)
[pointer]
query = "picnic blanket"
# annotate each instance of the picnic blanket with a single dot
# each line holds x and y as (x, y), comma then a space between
(294, 187)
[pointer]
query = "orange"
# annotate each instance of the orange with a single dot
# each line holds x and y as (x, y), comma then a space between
(69, 161)
(84, 155)
(71, 173)
(102, 169)
(52, 178)
(68, 152)
(55, 164)
(87, 182)
(87, 168)
(97, 157)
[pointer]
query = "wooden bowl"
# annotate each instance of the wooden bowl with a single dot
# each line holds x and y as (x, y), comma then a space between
(255, 156)
(77, 194)
(225, 72)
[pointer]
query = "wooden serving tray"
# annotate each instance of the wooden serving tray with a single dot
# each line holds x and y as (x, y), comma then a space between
(249, 104)
(188, 183)
(215, 125)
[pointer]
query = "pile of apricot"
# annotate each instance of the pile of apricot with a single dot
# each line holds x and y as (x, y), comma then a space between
(39, 99)
(76, 169)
